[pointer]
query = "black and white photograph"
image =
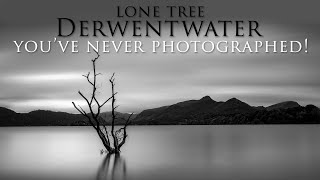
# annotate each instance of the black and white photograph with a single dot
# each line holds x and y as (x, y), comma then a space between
(159, 90)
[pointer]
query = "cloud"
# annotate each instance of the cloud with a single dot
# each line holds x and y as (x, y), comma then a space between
(45, 104)
(45, 78)
(51, 81)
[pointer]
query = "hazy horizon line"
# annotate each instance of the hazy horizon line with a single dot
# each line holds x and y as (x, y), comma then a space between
(157, 106)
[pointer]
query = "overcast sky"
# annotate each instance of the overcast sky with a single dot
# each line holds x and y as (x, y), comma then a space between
(51, 81)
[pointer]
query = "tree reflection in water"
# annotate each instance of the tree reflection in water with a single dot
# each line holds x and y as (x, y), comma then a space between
(113, 167)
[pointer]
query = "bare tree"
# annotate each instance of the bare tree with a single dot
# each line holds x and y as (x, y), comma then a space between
(113, 139)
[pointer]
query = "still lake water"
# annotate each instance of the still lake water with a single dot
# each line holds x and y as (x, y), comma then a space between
(163, 153)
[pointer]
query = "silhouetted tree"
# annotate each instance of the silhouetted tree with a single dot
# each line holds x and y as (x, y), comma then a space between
(113, 139)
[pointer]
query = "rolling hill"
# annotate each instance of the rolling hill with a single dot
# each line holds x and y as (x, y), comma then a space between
(202, 111)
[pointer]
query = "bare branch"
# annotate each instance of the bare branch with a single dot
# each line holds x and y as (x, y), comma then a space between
(74, 105)
(116, 107)
(95, 119)
(112, 77)
(107, 100)
(84, 114)
(98, 55)
(128, 120)
(125, 131)
(88, 78)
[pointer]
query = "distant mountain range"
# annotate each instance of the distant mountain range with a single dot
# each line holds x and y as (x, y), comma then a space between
(233, 111)
(203, 111)
(50, 118)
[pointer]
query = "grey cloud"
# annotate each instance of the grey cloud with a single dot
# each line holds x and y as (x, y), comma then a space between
(151, 80)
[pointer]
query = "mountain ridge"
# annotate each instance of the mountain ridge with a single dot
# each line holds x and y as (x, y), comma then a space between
(232, 111)
(201, 111)
(283, 105)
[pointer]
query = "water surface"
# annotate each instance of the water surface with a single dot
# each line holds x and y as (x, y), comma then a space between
(163, 152)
